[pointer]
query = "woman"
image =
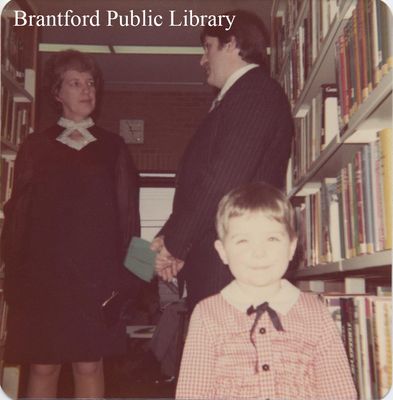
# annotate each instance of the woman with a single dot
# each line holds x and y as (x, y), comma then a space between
(76, 187)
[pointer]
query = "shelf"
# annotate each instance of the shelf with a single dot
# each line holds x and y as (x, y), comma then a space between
(322, 269)
(13, 85)
(364, 273)
(323, 69)
(321, 161)
(9, 145)
(278, 9)
(375, 260)
(288, 44)
(375, 112)
(332, 160)
(359, 263)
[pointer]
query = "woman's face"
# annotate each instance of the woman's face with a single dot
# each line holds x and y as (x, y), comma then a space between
(77, 94)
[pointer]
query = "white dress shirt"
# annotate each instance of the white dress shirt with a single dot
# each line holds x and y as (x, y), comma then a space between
(230, 81)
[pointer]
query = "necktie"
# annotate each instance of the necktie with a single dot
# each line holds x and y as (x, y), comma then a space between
(216, 103)
(259, 311)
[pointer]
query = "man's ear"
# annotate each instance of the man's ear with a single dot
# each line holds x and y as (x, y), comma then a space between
(232, 44)
(221, 251)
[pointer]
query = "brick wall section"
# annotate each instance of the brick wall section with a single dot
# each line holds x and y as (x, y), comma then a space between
(170, 119)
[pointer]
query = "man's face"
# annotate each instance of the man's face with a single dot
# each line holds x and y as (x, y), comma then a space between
(216, 61)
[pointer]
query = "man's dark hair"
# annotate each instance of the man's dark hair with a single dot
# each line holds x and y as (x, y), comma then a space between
(249, 32)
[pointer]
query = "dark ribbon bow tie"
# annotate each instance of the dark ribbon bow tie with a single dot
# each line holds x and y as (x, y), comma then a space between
(259, 311)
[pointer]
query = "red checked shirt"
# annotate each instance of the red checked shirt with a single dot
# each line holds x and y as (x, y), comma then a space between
(305, 361)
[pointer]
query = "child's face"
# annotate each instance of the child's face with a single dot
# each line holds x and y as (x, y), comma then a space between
(257, 249)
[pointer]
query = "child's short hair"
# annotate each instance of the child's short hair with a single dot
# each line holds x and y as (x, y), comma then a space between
(253, 197)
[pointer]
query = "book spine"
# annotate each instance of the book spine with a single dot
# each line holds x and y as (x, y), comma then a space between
(368, 204)
(361, 245)
(362, 44)
(376, 198)
(330, 128)
(357, 60)
(344, 100)
(380, 195)
(371, 347)
(386, 146)
(341, 214)
(386, 41)
(369, 43)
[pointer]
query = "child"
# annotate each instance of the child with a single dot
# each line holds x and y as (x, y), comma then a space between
(260, 337)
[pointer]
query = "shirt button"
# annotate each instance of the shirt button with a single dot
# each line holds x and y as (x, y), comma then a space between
(262, 331)
(265, 367)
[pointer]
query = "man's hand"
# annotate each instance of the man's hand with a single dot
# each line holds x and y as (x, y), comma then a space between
(157, 244)
(166, 266)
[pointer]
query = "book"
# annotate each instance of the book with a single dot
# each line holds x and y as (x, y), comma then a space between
(357, 60)
(334, 307)
(333, 218)
(381, 314)
(10, 382)
(361, 245)
(376, 197)
(140, 259)
(330, 126)
(371, 347)
(347, 315)
(386, 146)
(369, 44)
(342, 213)
(375, 41)
(364, 357)
(362, 37)
(386, 41)
(368, 204)
(349, 207)
(342, 81)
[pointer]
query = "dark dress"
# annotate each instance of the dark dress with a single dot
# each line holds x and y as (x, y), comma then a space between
(81, 213)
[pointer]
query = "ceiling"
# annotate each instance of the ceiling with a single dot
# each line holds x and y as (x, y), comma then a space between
(122, 71)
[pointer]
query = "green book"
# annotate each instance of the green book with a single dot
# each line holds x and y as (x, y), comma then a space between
(140, 259)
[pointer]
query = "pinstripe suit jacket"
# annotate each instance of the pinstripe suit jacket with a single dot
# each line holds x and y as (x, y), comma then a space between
(246, 138)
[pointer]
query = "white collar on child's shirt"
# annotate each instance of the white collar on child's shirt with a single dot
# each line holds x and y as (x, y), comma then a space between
(281, 302)
(71, 126)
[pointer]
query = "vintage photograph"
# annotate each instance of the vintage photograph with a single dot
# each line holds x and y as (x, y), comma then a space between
(196, 199)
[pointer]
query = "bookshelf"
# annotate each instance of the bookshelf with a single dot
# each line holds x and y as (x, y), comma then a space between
(341, 180)
(19, 47)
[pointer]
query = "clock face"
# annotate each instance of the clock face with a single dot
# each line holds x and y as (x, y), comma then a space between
(132, 130)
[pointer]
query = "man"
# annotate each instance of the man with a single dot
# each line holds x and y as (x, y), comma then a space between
(245, 137)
